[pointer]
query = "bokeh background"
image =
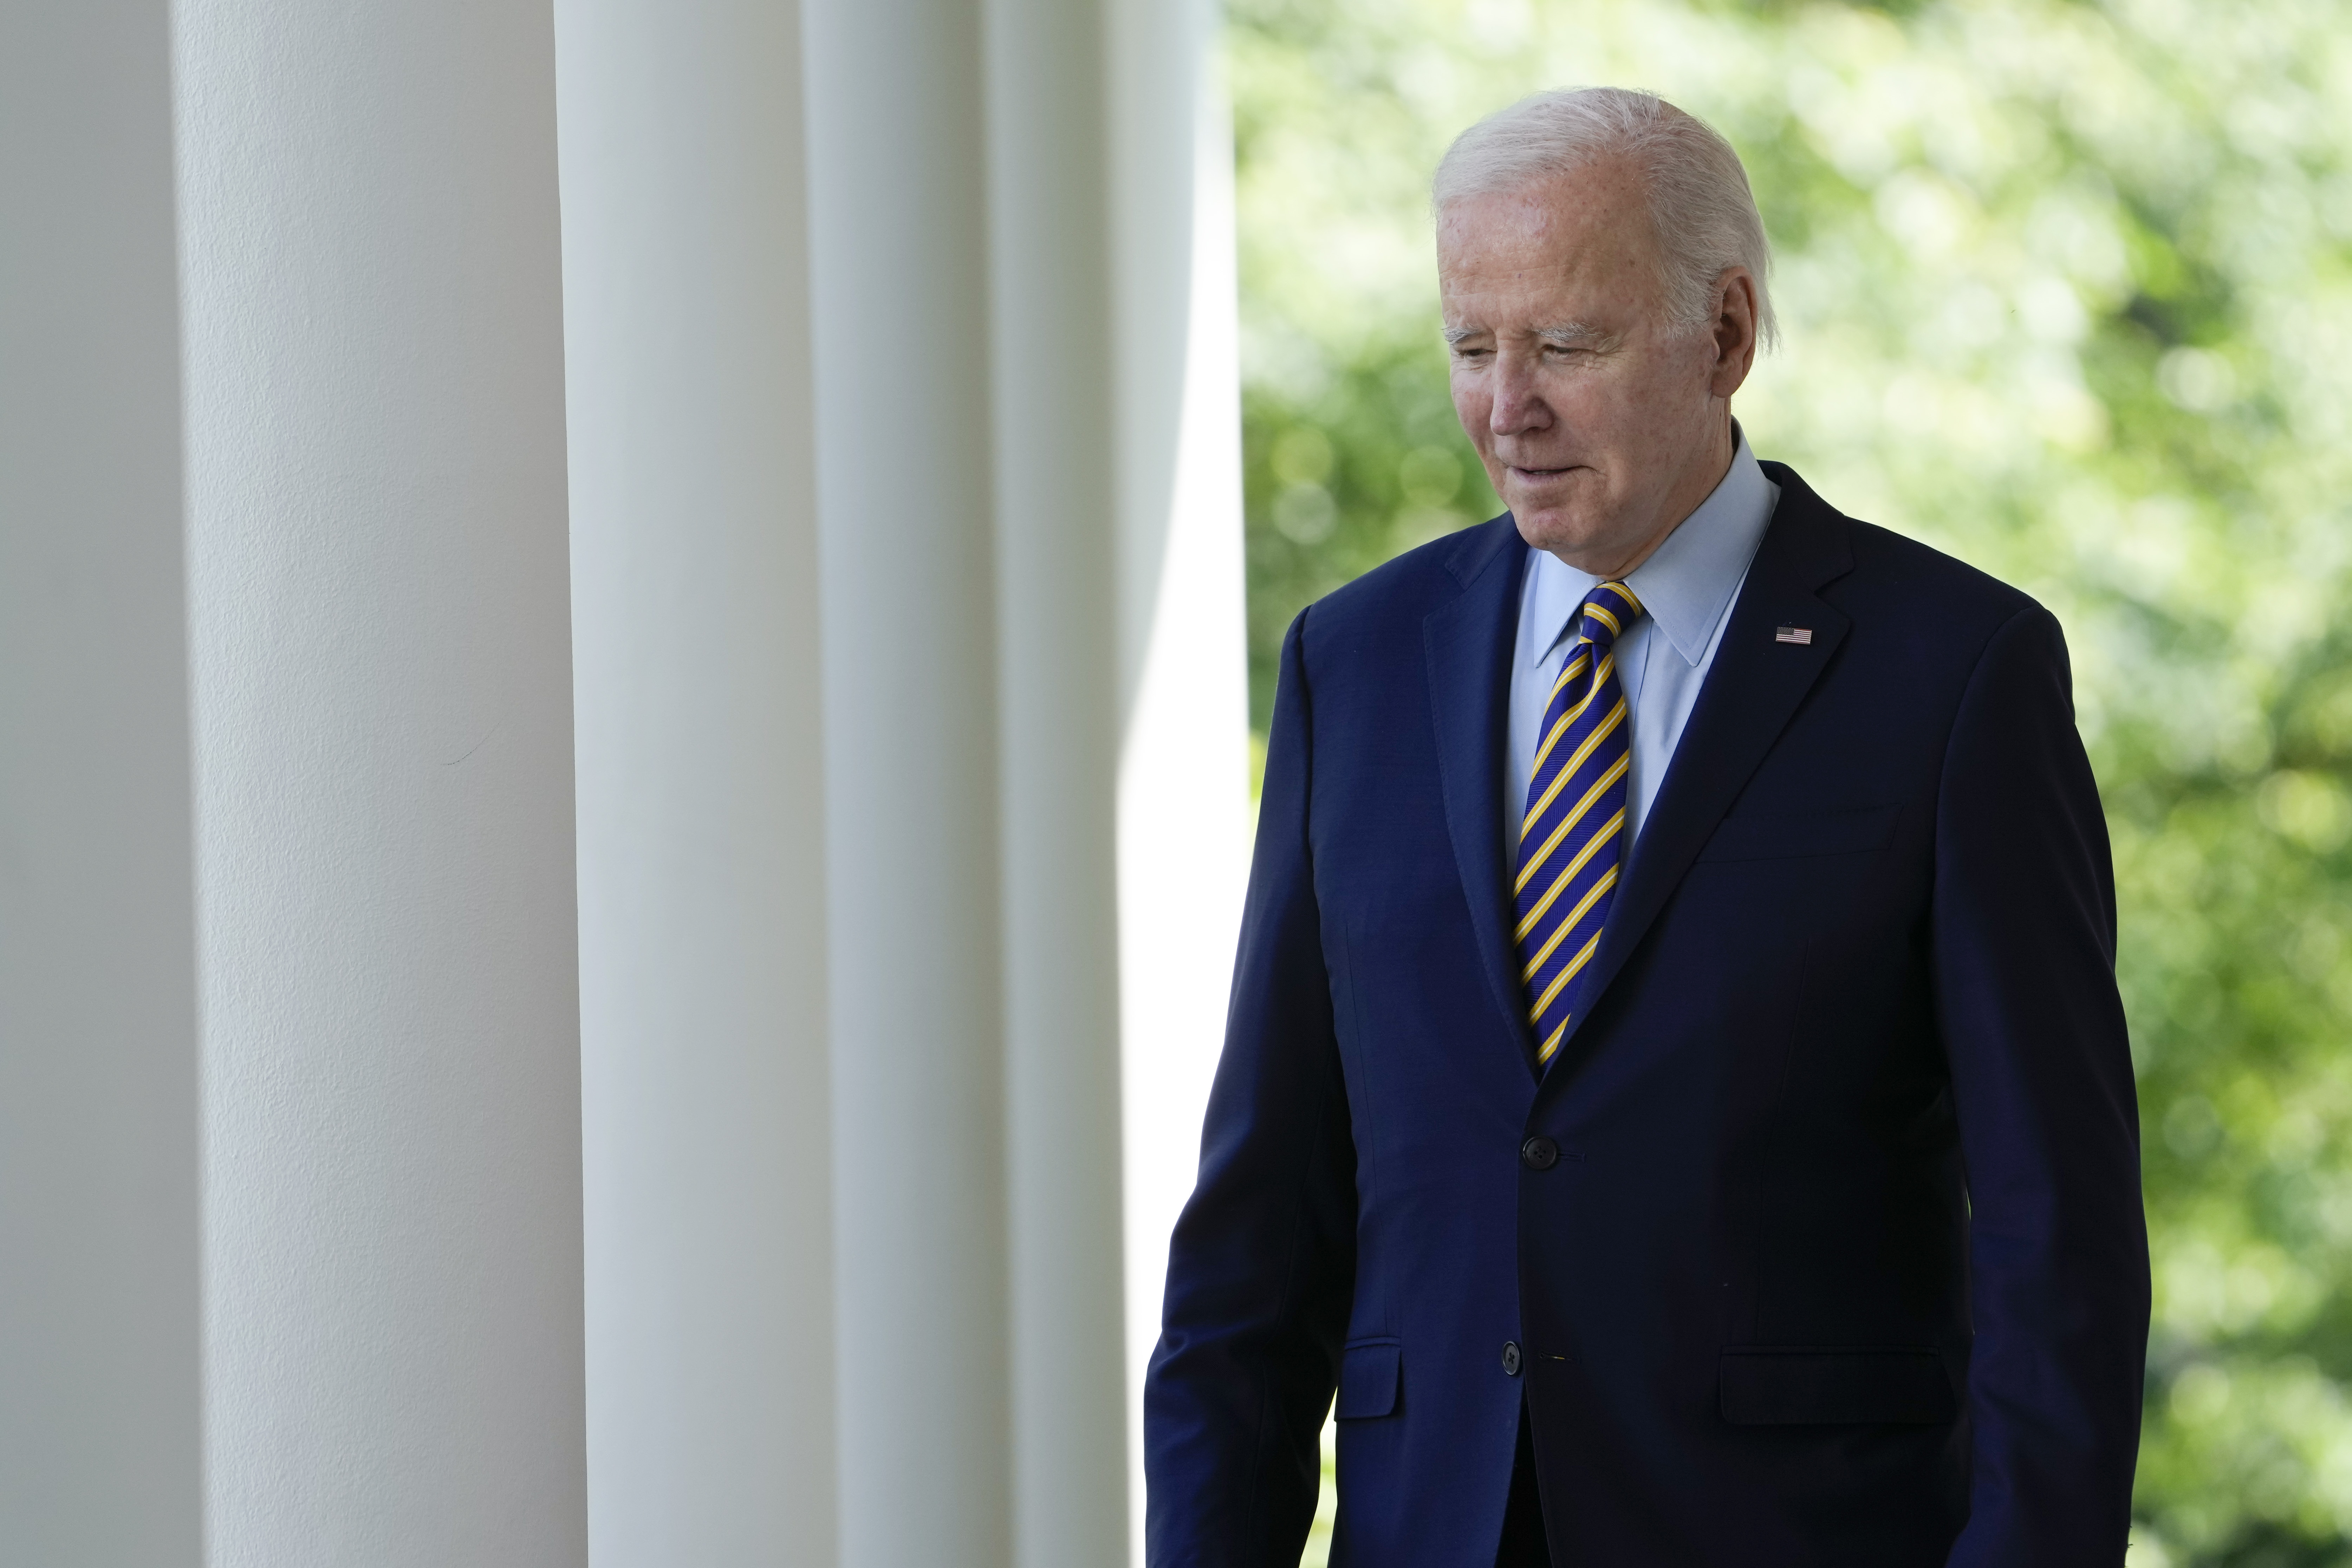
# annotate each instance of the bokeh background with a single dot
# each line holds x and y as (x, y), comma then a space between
(2067, 292)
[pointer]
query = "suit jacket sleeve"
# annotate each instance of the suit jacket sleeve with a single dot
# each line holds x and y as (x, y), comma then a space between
(2024, 932)
(1261, 1266)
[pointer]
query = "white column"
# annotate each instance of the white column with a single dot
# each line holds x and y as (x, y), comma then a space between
(709, 1279)
(98, 1458)
(900, 314)
(1183, 780)
(969, 422)
(380, 664)
(1056, 511)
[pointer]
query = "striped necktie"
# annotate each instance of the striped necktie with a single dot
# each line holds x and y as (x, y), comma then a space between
(1576, 816)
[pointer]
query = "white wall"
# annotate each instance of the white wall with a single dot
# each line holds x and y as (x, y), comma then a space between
(382, 691)
(704, 1093)
(98, 1047)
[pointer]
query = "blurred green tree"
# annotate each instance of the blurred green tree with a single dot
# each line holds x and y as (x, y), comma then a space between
(2067, 292)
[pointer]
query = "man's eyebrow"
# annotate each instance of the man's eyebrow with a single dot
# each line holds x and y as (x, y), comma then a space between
(1572, 335)
(1566, 334)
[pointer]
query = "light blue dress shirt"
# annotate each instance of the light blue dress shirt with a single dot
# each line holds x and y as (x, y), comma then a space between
(1687, 586)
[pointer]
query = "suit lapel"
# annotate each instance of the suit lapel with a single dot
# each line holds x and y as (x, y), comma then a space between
(1469, 645)
(1751, 693)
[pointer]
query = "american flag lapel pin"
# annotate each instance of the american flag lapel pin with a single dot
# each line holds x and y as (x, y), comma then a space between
(1793, 634)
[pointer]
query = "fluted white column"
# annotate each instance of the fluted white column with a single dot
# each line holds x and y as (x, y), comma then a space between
(899, 246)
(935, 466)
(710, 1277)
(381, 684)
(99, 1394)
(1182, 781)
(900, 437)
(1055, 425)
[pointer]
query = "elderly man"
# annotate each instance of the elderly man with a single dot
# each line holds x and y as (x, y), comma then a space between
(1675, 1088)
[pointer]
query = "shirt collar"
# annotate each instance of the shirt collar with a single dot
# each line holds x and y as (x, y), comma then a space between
(1687, 583)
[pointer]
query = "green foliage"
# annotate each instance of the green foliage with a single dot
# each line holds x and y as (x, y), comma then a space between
(2067, 292)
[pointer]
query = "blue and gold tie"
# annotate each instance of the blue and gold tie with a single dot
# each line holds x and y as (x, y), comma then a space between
(1575, 819)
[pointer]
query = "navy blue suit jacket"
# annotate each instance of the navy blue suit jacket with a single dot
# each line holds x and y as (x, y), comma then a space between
(1842, 1260)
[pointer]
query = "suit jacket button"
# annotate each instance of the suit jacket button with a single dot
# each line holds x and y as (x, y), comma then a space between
(1510, 1357)
(1539, 1153)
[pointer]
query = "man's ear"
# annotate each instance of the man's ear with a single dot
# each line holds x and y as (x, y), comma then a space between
(1734, 330)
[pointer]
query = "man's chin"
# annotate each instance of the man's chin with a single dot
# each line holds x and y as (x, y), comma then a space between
(1565, 530)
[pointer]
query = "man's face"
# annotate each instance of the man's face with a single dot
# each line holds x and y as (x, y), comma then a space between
(1601, 424)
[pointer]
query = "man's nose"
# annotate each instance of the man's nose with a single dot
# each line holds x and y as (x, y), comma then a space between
(1517, 407)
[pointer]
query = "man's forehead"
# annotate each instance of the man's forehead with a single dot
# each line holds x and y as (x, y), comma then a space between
(1504, 252)
(1536, 289)
(1603, 197)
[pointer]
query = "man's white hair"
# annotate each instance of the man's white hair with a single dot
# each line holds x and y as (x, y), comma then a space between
(1700, 206)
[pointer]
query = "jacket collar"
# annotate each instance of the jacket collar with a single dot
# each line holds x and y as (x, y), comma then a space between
(1468, 642)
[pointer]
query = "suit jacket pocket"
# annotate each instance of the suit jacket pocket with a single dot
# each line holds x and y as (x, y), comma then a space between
(1809, 1386)
(1784, 837)
(1368, 1377)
